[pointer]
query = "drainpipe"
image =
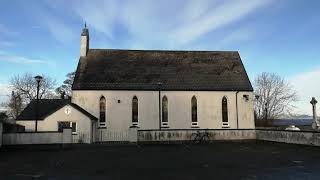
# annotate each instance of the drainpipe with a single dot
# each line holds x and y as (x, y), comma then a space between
(159, 86)
(237, 109)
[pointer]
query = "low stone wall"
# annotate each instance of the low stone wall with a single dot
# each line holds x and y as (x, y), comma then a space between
(64, 137)
(292, 137)
(178, 135)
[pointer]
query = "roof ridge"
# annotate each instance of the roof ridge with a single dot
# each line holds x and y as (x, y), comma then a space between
(161, 50)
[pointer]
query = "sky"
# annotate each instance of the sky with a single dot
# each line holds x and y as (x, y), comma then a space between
(282, 37)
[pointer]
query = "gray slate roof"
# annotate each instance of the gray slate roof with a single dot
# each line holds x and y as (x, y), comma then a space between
(47, 107)
(107, 69)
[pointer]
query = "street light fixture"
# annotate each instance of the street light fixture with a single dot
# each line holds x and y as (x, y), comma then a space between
(38, 80)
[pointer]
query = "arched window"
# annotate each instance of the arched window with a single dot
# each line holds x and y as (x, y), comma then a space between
(194, 111)
(225, 121)
(135, 111)
(102, 120)
(164, 111)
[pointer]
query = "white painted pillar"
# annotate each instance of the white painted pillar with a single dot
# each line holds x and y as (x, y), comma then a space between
(67, 136)
(133, 134)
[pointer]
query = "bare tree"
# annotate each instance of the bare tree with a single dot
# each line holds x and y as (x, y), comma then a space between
(26, 86)
(66, 87)
(14, 105)
(274, 96)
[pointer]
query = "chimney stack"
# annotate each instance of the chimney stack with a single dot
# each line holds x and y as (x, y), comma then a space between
(84, 44)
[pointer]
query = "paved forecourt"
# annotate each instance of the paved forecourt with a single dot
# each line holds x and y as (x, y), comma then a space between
(227, 160)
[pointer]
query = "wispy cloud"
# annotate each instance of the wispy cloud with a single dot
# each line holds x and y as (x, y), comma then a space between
(5, 31)
(218, 17)
(59, 30)
(101, 16)
(308, 85)
(5, 44)
(52, 19)
(242, 34)
(169, 23)
(22, 60)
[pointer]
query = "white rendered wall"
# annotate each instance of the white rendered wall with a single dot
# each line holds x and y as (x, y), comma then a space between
(51, 123)
(119, 115)
(64, 137)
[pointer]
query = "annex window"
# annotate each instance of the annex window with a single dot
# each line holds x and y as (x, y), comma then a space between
(73, 126)
(66, 124)
(102, 119)
(135, 111)
(164, 121)
(225, 121)
(62, 125)
(194, 111)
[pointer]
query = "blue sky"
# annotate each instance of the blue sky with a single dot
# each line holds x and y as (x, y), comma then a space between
(272, 36)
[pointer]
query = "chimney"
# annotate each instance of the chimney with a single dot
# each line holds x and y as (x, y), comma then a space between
(84, 44)
(63, 94)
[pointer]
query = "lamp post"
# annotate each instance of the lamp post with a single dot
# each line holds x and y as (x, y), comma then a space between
(257, 102)
(38, 80)
(266, 109)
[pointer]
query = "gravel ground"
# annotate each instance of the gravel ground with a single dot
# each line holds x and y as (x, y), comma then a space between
(224, 160)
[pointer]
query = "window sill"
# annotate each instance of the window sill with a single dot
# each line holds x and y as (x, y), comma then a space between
(102, 127)
(74, 133)
(194, 126)
(134, 126)
(165, 127)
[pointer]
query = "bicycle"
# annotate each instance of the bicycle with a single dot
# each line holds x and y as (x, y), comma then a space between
(200, 137)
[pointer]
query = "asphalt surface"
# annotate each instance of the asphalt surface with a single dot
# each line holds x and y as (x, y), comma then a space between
(251, 160)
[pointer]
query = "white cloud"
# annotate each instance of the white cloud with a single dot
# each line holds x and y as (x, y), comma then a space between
(5, 91)
(308, 85)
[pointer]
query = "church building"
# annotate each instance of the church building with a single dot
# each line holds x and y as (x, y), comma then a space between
(115, 90)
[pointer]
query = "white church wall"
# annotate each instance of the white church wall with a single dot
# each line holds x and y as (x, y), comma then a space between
(51, 123)
(209, 106)
(118, 115)
(246, 111)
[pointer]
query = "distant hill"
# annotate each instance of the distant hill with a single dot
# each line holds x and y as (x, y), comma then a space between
(302, 116)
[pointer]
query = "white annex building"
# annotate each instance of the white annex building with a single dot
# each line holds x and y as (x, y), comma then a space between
(114, 90)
